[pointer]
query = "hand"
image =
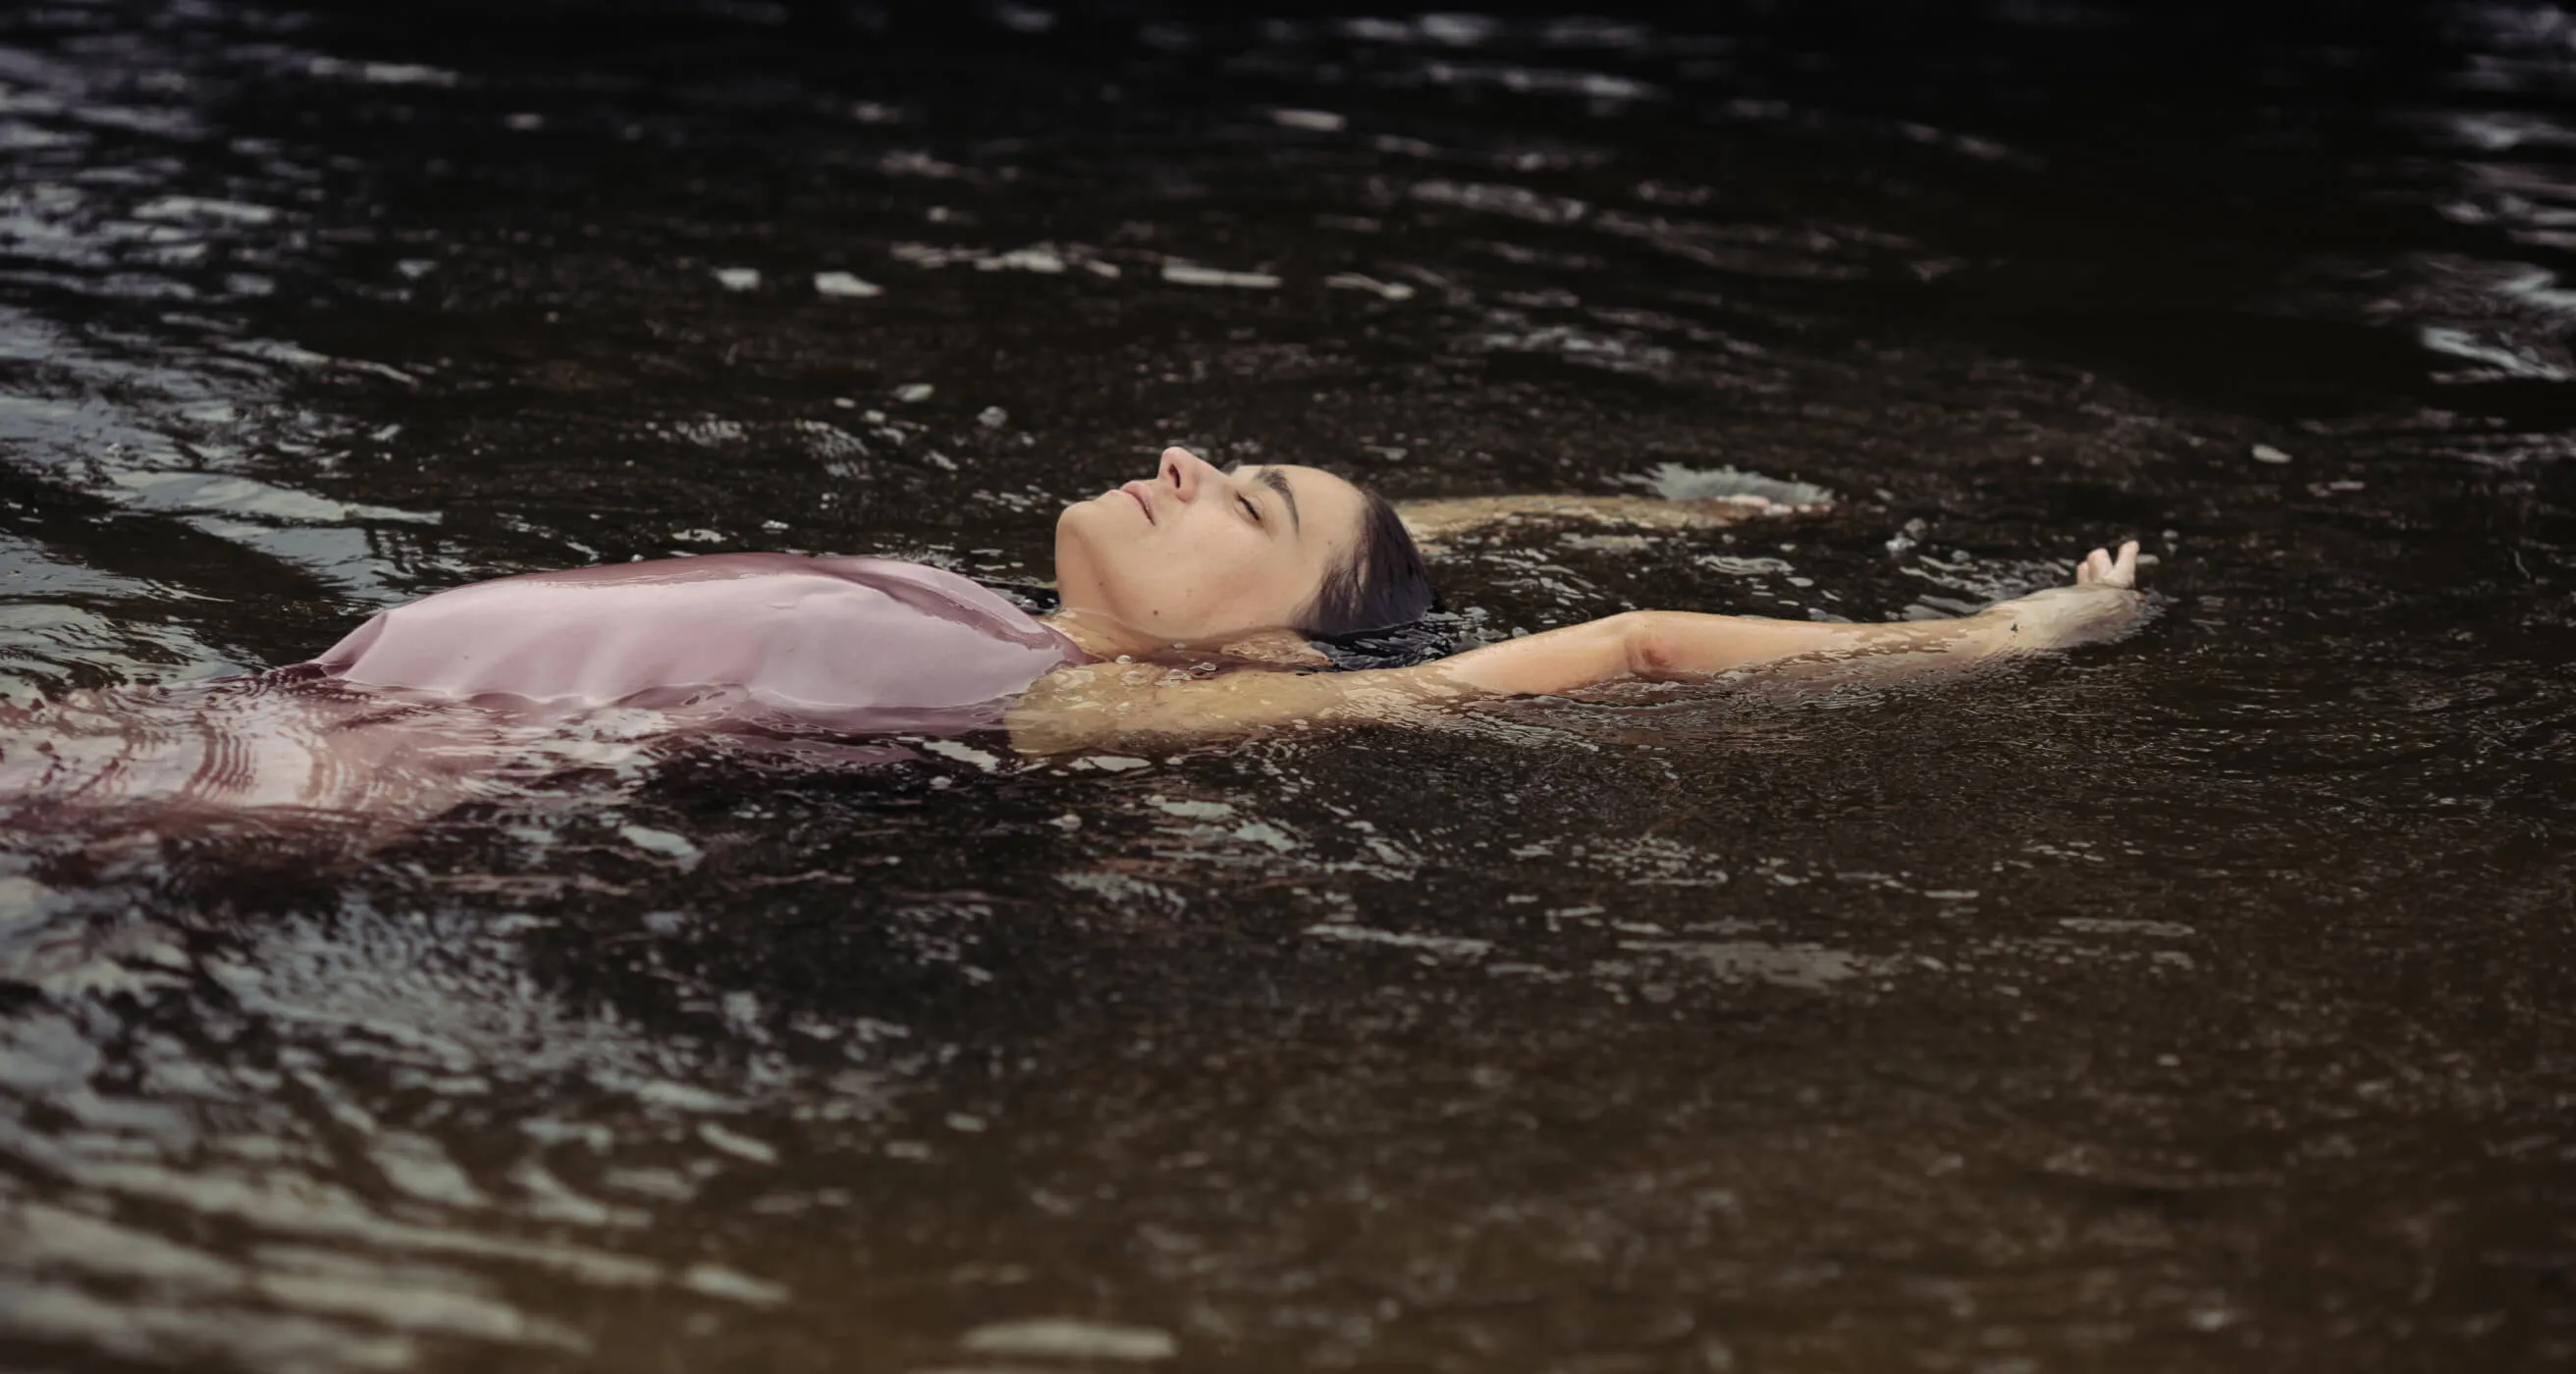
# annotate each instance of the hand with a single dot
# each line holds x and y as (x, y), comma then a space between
(2100, 569)
(2103, 604)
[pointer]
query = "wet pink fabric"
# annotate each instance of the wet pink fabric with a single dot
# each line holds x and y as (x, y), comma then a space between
(868, 643)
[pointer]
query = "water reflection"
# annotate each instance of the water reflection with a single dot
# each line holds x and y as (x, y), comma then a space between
(2188, 1006)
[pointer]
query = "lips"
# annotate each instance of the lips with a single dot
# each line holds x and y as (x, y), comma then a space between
(1143, 492)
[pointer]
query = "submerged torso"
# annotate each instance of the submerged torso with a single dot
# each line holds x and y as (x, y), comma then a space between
(864, 643)
(448, 697)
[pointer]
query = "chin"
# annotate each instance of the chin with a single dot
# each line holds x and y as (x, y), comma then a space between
(1077, 569)
(1076, 530)
(1092, 519)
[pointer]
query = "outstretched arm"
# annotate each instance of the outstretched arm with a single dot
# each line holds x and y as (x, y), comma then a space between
(1670, 645)
(1435, 524)
(1083, 707)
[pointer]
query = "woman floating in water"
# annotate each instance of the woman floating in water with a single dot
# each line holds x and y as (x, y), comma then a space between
(429, 700)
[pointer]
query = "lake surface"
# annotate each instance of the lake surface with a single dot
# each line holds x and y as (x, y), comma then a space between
(2195, 1003)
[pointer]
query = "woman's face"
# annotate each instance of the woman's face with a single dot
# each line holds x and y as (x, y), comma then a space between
(1193, 555)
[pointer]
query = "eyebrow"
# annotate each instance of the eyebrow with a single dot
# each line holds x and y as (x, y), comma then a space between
(1277, 481)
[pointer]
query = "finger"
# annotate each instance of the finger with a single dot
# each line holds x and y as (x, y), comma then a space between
(2127, 569)
(2084, 572)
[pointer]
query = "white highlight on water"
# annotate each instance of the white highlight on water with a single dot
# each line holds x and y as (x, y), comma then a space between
(963, 753)
(1353, 281)
(1319, 121)
(381, 73)
(1070, 1338)
(1191, 274)
(717, 1281)
(676, 848)
(201, 208)
(846, 286)
(1455, 946)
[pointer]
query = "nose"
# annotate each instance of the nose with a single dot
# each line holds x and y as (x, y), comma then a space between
(1185, 471)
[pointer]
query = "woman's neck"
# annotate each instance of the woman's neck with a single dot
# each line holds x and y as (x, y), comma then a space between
(1103, 639)
(1109, 640)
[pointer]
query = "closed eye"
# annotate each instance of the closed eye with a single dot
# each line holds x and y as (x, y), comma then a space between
(1277, 481)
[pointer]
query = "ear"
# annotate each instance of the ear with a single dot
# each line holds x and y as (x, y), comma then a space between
(1284, 647)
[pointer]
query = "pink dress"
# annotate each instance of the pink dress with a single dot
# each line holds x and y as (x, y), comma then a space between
(488, 690)
(860, 643)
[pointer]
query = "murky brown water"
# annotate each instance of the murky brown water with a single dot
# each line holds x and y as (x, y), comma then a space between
(2199, 1003)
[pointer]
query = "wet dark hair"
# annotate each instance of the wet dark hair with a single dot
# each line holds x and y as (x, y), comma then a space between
(1383, 583)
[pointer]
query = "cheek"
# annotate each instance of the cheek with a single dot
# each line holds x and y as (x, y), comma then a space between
(1238, 563)
(1257, 585)
(1145, 586)
(1202, 579)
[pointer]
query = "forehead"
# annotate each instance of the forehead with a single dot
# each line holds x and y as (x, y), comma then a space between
(1328, 508)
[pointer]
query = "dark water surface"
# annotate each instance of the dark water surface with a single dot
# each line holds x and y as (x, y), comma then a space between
(2198, 1003)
